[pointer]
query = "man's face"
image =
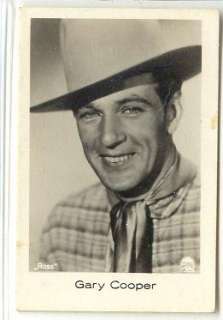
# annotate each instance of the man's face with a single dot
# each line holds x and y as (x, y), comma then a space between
(124, 136)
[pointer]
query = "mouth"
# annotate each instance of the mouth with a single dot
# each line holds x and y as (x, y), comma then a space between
(117, 160)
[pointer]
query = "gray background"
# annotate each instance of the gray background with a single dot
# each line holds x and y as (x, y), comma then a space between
(57, 163)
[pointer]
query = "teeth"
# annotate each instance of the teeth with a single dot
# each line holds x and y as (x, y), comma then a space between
(118, 160)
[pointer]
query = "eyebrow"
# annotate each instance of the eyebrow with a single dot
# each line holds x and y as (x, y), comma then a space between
(131, 98)
(87, 106)
(134, 98)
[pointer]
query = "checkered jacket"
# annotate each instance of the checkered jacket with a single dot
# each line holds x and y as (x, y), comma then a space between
(75, 237)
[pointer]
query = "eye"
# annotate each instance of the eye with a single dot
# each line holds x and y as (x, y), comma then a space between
(89, 115)
(132, 111)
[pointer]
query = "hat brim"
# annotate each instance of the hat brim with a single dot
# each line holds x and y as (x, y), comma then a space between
(180, 64)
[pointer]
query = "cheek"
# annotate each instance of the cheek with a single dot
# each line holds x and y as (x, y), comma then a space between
(88, 136)
(149, 128)
(151, 135)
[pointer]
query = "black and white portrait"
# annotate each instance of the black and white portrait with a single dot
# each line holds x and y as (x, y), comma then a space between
(115, 145)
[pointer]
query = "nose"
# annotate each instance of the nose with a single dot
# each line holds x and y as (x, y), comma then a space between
(112, 133)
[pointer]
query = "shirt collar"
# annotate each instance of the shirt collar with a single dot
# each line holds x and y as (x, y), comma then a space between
(168, 190)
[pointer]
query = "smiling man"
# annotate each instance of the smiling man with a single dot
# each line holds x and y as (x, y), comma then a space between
(125, 138)
(143, 216)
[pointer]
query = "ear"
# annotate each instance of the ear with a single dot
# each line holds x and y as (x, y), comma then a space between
(173, 113)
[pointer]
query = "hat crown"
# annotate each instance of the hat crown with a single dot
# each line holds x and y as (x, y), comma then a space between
(95, 49)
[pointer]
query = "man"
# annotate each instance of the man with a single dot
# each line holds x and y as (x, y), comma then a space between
(144, 215)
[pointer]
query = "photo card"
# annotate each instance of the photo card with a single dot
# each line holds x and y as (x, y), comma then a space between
(117, 165)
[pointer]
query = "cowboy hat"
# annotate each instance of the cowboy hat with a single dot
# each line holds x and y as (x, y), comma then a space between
(101, 55)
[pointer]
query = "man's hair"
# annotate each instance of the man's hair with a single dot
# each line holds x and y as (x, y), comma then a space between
(167, 88)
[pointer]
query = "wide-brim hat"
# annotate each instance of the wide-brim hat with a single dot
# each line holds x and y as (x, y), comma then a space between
(99, 56)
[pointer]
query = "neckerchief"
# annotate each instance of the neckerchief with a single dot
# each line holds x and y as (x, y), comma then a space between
(131, 231)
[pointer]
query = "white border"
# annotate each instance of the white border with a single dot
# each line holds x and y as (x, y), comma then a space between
(6, 167)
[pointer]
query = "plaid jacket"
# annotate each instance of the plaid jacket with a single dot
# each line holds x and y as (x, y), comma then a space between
(75, 237)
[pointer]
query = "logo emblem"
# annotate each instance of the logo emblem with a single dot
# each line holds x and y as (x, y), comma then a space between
(187, 264)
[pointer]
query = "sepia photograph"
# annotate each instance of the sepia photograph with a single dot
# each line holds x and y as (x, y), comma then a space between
(117, 143)
(125, 82)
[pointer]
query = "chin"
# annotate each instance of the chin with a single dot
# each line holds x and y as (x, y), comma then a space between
(120, 186)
